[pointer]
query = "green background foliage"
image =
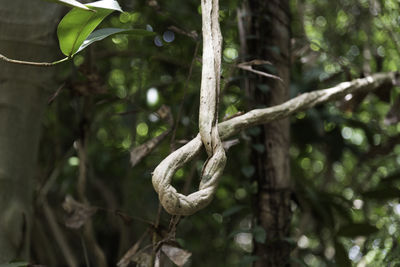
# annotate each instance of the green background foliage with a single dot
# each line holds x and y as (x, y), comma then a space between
(345, 156)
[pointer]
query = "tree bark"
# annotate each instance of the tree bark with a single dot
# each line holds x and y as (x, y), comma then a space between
(270, 24)
(27, 32)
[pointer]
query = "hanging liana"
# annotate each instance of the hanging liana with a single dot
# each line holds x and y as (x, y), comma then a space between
(174, 202)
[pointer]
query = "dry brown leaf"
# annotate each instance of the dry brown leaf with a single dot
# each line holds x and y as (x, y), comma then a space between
(143, 259)
(176, 255)
(131, 253)
(78, 213)
(157, 261)
(165, 113)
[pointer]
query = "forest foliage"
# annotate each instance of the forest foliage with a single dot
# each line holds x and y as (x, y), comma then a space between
(143, 82)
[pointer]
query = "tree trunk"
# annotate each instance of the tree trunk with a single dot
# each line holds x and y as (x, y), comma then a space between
(26, 32)
(270, 25)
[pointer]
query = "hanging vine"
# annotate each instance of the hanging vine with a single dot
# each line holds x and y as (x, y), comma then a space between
(171, 200)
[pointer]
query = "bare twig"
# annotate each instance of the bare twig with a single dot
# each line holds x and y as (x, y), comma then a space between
(191, 34)
(88, 231)
(49, 214)
(43, 190)
(85, 252)
(82, 177)
(98, 253)
(126, 217)
(30, 63)
(59, 236)
(249, 67)
(57, 92)
(139, 152)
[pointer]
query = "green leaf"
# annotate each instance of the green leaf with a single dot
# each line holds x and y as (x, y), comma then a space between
(101, 34)
(341, 256)
(77, 25)
(14, 264)
(71, 3)
(259, 234)
(357, 229)
(106, 4)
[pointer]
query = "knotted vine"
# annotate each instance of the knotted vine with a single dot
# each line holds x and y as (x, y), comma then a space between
(171, 200)
(211, 132)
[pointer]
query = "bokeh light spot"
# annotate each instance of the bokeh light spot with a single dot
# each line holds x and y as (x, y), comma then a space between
(169, 36)
(152, 96)
(142, 129)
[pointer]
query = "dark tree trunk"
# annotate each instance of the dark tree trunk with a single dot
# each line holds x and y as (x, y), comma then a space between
(270, 29)
(27, 32)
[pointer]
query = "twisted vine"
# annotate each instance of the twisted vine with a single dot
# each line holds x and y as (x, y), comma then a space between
(211, 132)
(172, 201)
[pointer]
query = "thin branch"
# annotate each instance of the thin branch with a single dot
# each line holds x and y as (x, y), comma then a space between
(249, 67)
(43, 190)
(30, 63)
(59, 236)
(139, 152)
(192, 34)
(88, 230)
(57, 92)
(94, 247)
(82, 177)
(85, 252)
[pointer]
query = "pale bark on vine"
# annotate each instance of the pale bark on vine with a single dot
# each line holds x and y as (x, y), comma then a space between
(187, 205)
(211, 133)
(170, 199)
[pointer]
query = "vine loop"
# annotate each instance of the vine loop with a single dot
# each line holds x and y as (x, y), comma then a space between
(174, 202)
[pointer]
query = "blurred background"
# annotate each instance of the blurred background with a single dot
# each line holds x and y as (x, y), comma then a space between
(344, 156)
